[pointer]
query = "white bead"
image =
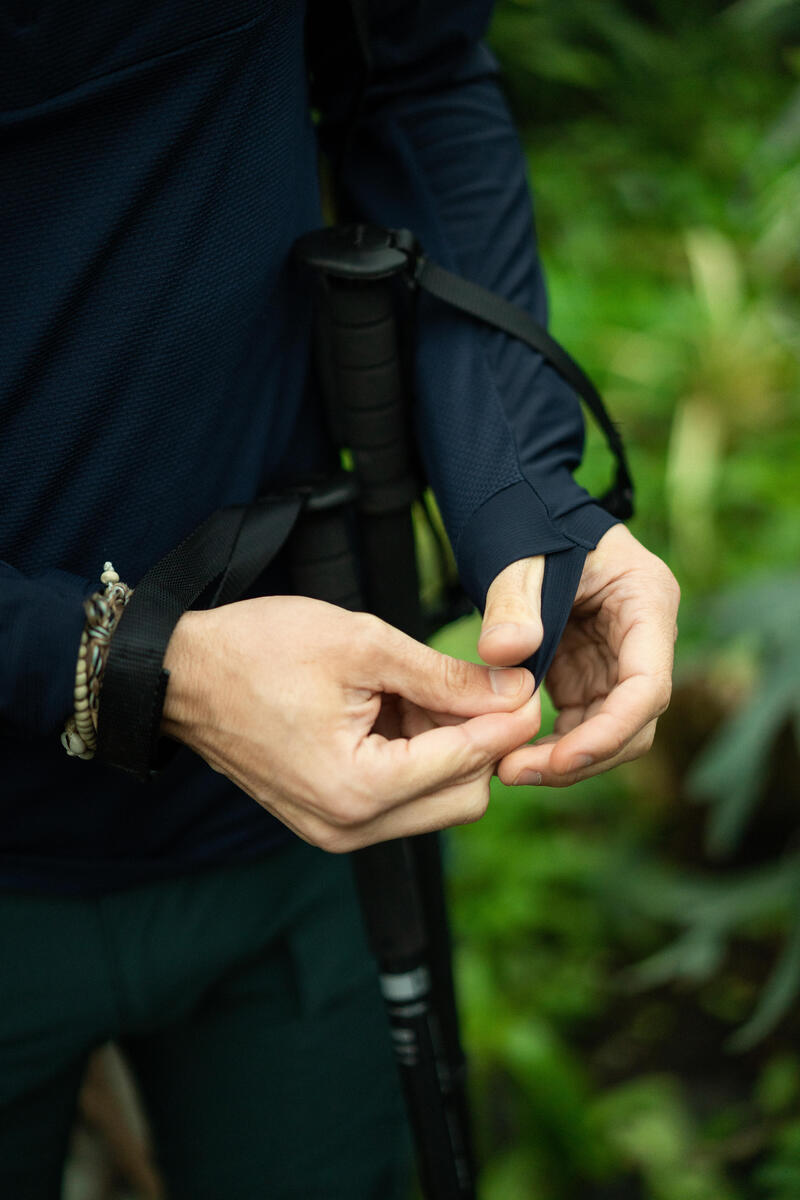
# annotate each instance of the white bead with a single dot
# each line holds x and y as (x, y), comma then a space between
(81, 690)
(73, 743)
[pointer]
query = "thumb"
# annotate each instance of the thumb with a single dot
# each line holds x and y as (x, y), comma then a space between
(399, 665)
(512, 621)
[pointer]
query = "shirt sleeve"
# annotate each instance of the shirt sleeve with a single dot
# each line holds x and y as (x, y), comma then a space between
(433, 149)
(41, 618)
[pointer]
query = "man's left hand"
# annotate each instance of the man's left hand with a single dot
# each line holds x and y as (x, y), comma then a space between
(611, 676)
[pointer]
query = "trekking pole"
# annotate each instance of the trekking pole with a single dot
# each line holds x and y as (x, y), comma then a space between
(399, 882)
(323, 566)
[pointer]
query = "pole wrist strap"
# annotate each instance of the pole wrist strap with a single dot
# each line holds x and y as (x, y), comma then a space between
(215, 564)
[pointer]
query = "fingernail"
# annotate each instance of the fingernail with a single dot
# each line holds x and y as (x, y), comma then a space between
(532, 778)
(506, 681)
(505, 627)
(580, 761)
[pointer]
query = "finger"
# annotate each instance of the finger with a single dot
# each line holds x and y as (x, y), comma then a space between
(627, 710)
(632, 705)
(389, 774)
(569, 718)
(461, 804)
(642, 694)
(458, 804)
(512, 621)
(648, 647)
(415, 720)
(521, 768)
(393, 662)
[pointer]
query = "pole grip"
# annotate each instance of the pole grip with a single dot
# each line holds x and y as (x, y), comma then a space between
(369, 399)
(371, 410)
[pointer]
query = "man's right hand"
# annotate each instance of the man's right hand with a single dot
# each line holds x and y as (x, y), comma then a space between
(338, 724)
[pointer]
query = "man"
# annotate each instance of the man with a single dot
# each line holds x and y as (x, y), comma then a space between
(158, 162)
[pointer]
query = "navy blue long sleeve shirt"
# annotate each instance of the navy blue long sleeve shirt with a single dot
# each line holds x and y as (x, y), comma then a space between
(157, 162)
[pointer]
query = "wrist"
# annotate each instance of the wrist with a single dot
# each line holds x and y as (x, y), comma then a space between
(186, 663)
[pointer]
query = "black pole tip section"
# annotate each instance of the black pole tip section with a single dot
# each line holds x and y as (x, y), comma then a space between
(357, 252)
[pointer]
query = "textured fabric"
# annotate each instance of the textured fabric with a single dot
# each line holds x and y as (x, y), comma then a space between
(249, 1008)
(157, 161)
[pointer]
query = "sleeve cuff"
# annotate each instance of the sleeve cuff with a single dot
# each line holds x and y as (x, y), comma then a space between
(572, 509)
(587, 524)
(514, 523)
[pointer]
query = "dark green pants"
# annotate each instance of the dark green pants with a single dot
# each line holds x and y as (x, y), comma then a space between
(247, 1005)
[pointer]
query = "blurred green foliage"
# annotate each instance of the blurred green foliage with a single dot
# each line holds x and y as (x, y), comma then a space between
(630, 958)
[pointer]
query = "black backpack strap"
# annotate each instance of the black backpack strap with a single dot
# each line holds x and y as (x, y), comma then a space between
(486, 306)
(230, 549)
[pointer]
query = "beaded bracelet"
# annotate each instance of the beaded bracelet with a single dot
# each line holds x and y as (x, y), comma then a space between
(103, 611)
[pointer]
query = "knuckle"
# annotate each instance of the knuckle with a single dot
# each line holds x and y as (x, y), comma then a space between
(369, 631)
(663, 693)
(476, 805)
(669, 586)
(366, 792)
(640, 744)
(505, 607)
(475, 756)
(332, 840)
(345, 810)
(507, 774)
(349, 801)
(457, 675)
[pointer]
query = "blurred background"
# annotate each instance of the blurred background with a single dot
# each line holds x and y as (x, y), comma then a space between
(629, 949)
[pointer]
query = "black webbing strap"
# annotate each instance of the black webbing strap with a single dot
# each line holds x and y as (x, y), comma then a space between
(486, 306)
(232, 546)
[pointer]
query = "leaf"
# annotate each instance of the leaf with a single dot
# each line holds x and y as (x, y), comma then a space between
(716, 274)
(692, 900)
(778, 995)
(694, 957)
(767, 608)
(750, 15)
(730, 771)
